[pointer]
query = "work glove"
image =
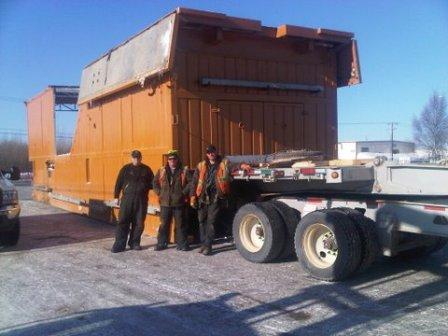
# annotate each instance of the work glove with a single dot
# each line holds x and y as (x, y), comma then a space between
(194, 202)
(245, 167)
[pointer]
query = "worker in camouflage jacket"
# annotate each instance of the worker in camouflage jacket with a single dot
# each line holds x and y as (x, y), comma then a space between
(171, 185)
(133, 183)
(209, 192)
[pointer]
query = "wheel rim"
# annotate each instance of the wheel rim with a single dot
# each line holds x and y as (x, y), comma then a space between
(320, 245)
(252, 233)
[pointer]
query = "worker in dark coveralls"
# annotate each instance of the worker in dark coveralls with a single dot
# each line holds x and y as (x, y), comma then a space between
(134, 182)
(209, 192)
(170, 184)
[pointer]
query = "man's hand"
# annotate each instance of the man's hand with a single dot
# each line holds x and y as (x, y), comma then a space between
(194, 202)
(117, 201)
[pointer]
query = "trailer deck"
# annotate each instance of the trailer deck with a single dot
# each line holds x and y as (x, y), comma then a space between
(339, 217)
(376, 178)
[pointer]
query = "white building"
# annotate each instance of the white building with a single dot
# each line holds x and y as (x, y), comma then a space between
(353, 150)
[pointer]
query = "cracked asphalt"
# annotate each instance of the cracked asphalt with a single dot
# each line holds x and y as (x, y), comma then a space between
(61, 279)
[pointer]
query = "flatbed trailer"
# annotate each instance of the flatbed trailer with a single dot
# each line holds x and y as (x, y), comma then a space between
(337, 219)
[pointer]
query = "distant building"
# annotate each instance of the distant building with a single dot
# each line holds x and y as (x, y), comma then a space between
(352, 150)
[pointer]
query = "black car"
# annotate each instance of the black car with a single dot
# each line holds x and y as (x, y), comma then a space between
(9, 213)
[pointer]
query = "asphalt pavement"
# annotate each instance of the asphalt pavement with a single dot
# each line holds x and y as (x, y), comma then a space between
(61, 279)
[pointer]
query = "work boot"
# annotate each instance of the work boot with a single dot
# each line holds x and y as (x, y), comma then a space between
(207, 251)
(201, 249)
(159, 248)
(185, 248)
(136, 247)
(117, 249)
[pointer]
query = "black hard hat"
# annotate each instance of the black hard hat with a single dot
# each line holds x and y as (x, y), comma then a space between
(211, 149)
(136, 154)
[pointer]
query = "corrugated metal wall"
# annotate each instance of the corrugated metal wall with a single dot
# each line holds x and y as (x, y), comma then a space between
(106, 133)
(41, 135)
(180, 113)
(249, 120)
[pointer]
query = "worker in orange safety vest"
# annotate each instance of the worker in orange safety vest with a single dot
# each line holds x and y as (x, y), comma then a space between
(208, 193)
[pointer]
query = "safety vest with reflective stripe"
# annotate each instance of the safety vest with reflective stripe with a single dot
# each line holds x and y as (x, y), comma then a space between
(222, 178)
(163, 179)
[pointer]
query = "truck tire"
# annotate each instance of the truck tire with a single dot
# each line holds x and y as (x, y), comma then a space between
(291, 218)
(10, 238)
(370, 246)
(259, 232)
(423, 251)
(328, 245)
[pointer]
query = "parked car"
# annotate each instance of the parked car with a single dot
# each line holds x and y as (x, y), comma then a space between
(13, 173)
(9, 213)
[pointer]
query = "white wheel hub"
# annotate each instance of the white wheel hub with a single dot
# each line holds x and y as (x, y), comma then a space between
(252, 233)
(320, 246)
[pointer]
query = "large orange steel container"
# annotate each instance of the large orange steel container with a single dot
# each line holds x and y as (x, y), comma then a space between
(191, 79)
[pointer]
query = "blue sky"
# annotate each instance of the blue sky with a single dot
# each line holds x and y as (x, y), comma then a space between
(403, 48)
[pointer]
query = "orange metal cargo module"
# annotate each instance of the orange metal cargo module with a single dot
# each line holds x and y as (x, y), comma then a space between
(191, 79)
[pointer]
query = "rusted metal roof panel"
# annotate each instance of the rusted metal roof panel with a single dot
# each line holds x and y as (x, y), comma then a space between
(146, 54)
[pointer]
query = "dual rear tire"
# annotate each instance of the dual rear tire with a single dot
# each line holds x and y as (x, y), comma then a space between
(258, 232)
(331, 244)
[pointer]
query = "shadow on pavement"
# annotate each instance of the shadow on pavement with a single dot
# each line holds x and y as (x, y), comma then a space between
(347, 310)
(214, 316)
(43, 231)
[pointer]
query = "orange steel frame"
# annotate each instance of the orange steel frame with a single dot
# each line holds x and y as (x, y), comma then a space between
(173, 110)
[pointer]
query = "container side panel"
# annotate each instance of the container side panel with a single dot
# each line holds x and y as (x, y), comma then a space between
(94, 130)
(137, 118)
(285, 119)
(35, 134)
(194, 116)
(41, 125)
(48, 123)
(112, 137)
(235, 130)
(126, 119)
(349, 71)
(206, 126)
(184, 134)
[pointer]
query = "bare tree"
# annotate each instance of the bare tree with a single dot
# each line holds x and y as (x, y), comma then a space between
(14, 152)
(431, 126)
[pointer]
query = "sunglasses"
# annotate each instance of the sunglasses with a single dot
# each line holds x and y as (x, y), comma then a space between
(171, 159)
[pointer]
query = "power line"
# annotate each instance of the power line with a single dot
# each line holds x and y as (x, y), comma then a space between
(25, 134)
(12, 99)
(18, 130)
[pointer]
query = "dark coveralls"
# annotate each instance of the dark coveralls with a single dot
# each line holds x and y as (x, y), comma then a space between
(172, 198)
(210, 204)
(134, 182)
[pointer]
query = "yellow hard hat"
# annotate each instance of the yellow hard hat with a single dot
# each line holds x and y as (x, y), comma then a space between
(173, 153)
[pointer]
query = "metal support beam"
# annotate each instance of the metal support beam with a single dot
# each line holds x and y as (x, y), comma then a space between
(261, 85)
(66, 108)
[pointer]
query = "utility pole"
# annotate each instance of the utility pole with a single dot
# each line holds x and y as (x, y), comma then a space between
(391, 124)
(392, 128)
